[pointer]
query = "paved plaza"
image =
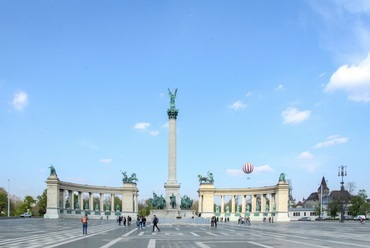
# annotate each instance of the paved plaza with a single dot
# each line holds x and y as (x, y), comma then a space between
(46, 233)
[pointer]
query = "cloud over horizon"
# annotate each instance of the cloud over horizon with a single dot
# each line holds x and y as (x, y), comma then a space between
(353, 79)
(294, 116)
(20, 100)
(332, 140)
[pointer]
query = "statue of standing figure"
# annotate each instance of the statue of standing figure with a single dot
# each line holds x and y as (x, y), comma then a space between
(173, 200)
(172, 98)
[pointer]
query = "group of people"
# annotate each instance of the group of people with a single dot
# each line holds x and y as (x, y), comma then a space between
(244, 221)
(125, 220)
(140, 222)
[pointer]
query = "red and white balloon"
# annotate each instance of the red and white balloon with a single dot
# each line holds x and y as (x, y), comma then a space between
(248, 168)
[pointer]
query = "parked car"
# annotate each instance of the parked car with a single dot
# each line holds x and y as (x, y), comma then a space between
(346, 217)
(27, 214)
(320, 218)
(358, 217)
(305, 219)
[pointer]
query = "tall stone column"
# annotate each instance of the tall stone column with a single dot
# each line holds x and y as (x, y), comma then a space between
(172, 187)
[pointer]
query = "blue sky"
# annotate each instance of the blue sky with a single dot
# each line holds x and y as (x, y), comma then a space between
(284, 85)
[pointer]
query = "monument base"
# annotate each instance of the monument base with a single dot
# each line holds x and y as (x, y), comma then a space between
(51, 213)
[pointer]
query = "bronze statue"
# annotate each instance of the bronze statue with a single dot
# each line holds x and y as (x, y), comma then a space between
(172, 98)
(282, 177)
(173, 200)
(186, 203)
(124, 177)
(158, 202)
(53, 172)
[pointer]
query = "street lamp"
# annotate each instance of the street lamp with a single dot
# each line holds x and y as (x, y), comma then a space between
(8, 197)
(342, 172)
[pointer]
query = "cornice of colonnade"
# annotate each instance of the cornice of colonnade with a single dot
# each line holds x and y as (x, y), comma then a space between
(97, 189)
(244, 191)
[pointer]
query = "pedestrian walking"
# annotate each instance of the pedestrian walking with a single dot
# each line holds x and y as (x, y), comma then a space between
(155, 223)
(84, 224)
(124, 220)
(143, 221)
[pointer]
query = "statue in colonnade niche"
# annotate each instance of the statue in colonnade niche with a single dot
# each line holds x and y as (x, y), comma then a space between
(227, 209)
(217, 209)
(248, 208)
(86, 206)
(96, 207)
(117, 208)
(267, 208)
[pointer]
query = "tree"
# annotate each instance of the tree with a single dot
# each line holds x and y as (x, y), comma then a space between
(356, 203)
(144, 207)
(41, 205)
(3, 201)
(333, 208)
(351, 187)
(362, 193)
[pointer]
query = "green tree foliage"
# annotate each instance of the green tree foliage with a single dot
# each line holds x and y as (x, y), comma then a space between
(362, 193)
(144, 207)
(333, 208)
(359, 204)
(40, 208)
(3, 202)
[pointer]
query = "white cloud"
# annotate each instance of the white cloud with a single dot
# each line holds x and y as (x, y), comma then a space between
(154, 132)
(332, 140)
(105, 160)
(20, 100)
(280, 88)
(354, 79)
(142, 125)
(234, 172)
(305, 155)
(263, 168)
(292, 115)
(238, 105)
(249, 94)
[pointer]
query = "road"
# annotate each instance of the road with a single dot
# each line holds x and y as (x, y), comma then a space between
(46, 233)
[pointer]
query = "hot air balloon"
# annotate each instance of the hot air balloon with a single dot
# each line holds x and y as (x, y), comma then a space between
(248, 168)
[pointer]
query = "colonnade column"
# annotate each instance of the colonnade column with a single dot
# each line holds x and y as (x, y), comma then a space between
(243, 203)
(263, 202)
(272, 202)
(222, 204)
(80, 200)
(200, 204)
(112, 202)
(135, 204)
(233, 204)
(101, 202)
(91, 202)
(71, 199)
(254, 201)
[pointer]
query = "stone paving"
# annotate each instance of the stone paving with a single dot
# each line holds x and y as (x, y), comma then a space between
(46, 233)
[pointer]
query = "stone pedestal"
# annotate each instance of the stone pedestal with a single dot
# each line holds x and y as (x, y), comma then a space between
(52, 209)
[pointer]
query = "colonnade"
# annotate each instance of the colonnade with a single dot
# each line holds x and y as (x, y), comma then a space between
(61, 199)
(256, 203)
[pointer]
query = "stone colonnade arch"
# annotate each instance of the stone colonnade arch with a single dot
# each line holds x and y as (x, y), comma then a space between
(256, 209)
(61, 203)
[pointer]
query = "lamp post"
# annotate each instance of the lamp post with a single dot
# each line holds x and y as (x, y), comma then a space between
(321, 200)
(342, 172)
(8, 197)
